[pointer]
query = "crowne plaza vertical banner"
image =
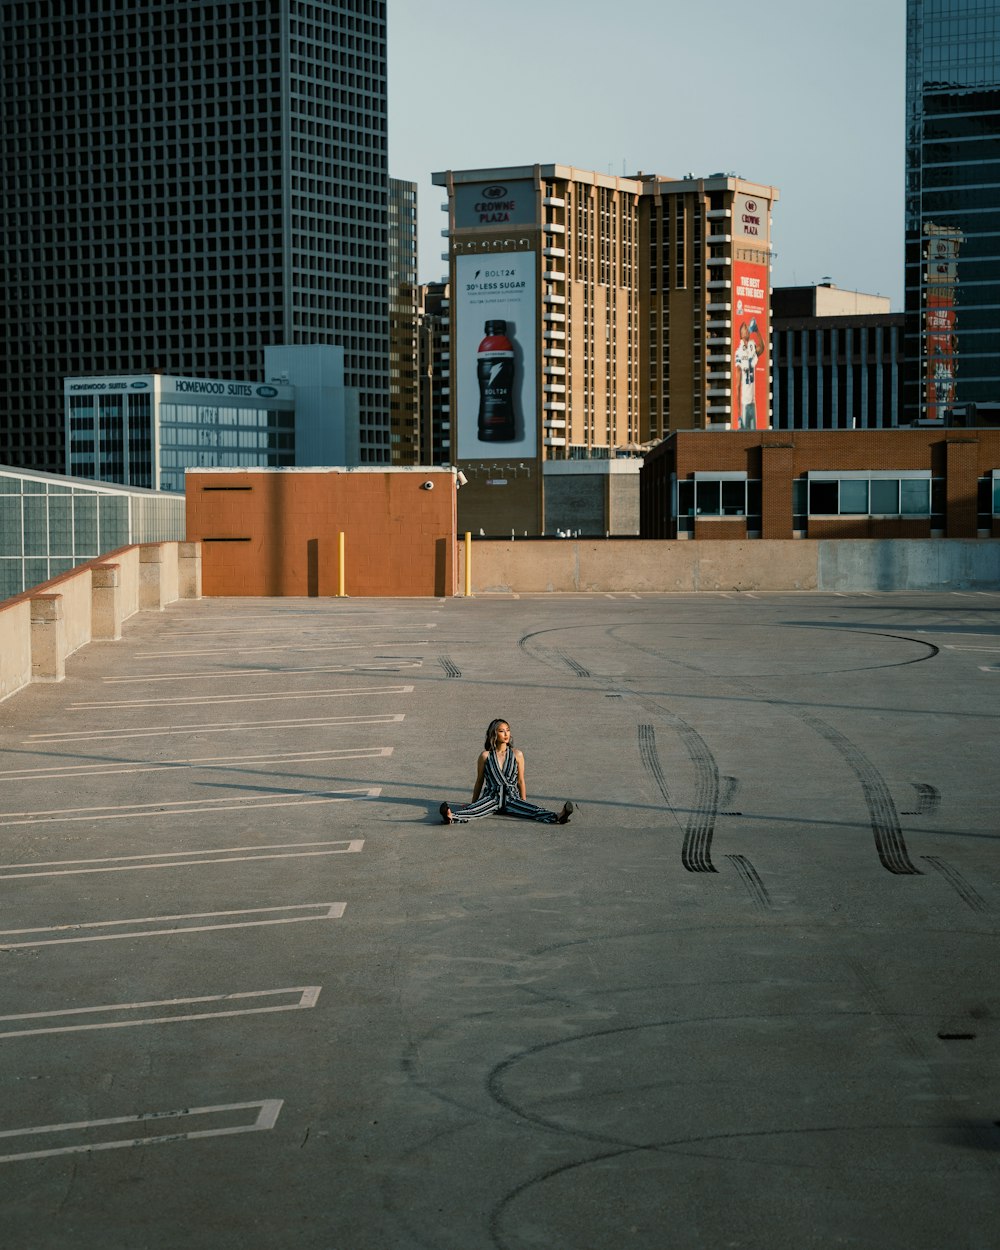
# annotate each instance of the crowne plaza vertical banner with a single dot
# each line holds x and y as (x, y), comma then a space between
(751, 404)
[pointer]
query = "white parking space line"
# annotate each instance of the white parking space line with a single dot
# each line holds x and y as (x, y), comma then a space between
(956, 647)
(307, 996)
(218, 727)
(323, 625)
(182, 700)
(966, 633)
(323, 911)
(181, 807)
(172, 859)
(268, 1110)
(215, 763)
(392, 666)
(234, 649)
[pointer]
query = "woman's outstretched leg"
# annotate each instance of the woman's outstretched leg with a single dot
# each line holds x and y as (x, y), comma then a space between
(529, 811)
(462, 813)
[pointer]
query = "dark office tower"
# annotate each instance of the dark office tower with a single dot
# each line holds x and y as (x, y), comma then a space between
(952, 205)
(403, 314)
(434, 370)
(184, 184)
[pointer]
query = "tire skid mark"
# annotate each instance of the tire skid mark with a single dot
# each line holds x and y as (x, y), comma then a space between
(572, 664)
(450, 669)
(527, 1114)
(751, 879)
(496, 1216)
(651, 760)
(889, 841)
(696, 852)
(890, 1019)
(928, 800)
(931, 650)
(967, 892)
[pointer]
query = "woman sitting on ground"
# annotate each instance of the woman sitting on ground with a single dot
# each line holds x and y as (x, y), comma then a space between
(500, 785)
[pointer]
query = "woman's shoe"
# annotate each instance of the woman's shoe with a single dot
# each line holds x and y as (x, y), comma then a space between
(567, 811)
(445, 811)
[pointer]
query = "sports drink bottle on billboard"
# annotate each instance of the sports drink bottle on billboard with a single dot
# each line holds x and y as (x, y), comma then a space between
(495, 369)
(495, 328)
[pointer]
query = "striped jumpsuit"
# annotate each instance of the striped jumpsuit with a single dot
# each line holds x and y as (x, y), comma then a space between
(499, 793)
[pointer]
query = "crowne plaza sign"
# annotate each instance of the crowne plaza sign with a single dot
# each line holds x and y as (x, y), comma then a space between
(494, 203)
(751, 217)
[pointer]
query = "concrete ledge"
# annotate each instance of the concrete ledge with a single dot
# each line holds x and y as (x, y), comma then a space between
(48, 638)
(158, 580)
(189, 571)
(41, 628)
(650, 565)
(910, 564)
(106, 606)
(529, 566)
(15, 647)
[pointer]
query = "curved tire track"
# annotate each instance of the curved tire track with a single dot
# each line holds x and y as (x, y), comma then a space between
(889, 841)
(696, 853)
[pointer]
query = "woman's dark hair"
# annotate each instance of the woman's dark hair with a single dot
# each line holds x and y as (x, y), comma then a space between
(491, 733)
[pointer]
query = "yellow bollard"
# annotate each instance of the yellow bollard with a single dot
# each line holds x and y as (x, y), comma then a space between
(340, 568)
(468, 564)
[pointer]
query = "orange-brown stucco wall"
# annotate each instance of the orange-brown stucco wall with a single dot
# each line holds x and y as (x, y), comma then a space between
(276, 531)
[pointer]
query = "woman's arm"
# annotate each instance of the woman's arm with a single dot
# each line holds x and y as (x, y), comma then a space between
(520, 775)
(480, 771)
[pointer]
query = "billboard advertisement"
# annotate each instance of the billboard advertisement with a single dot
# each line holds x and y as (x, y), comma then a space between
(941, 317)
(493, 364)
(941, 346)
(751, 405)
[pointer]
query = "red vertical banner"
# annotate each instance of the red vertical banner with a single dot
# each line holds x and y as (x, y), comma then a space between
(941, 345)
(751, 404)
(941, 317)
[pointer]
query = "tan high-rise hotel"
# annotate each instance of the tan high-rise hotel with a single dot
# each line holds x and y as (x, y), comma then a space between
(594, 314)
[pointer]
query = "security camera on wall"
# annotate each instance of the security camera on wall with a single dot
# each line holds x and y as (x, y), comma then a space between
(461, 479)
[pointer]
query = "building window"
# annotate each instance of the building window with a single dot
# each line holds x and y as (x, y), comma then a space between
(717, 495)
(905, 493)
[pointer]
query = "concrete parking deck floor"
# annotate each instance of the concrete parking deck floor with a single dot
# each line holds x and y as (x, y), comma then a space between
(255, 995)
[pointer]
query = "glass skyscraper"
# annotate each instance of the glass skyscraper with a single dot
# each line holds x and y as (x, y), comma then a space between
(952, 205)
(184, 184)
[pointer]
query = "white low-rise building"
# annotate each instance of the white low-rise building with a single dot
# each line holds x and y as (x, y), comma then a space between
(146, 431)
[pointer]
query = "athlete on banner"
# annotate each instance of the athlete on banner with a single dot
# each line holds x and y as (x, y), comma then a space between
(748, 353)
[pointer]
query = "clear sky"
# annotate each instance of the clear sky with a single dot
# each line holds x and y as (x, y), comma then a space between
(805, 95)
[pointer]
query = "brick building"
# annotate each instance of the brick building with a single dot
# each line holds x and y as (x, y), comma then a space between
(277, 531)
(923, 482)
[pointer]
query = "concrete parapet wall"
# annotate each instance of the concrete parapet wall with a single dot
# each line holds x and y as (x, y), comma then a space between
(189, 571)
(77, 605)
(42, 627)
(48, 638)
(15, 647)
(158, 575)
(651, 565)
(910, 564)
(622, 565)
